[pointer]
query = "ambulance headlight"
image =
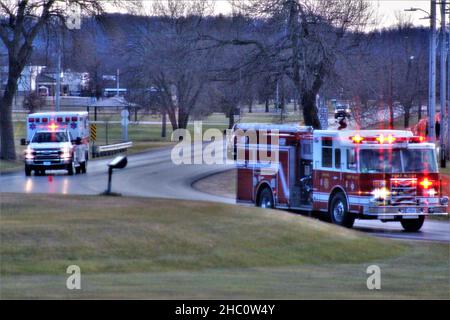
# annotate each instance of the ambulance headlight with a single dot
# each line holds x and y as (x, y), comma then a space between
(65, 153)
(29, 154)
(380, 193)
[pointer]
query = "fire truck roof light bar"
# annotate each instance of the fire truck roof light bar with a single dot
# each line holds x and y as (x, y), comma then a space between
(390, 139)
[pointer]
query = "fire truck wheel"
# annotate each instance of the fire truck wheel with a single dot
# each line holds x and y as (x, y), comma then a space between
(265, 198)
(27, 171)
(412, 225)
(339, 213)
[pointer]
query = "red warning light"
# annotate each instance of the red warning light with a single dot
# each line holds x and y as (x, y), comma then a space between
(425, 183)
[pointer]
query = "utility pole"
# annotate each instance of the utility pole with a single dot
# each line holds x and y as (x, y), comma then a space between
(448, 97)
(442, 84)
(117, 83)
(432, 75)
(58, 74)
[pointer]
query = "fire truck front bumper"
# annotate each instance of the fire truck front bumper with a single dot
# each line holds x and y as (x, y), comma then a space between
(439, 208)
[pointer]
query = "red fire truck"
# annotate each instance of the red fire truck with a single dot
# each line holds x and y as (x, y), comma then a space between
(389, 175)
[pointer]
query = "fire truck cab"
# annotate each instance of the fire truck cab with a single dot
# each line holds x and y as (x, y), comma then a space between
(389, 175)
(57, 140)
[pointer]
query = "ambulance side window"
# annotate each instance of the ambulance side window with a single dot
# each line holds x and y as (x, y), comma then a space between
(351, 159)
(327, 152)
(337, 158)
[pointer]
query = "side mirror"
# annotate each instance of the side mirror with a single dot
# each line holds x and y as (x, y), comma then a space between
(78, 141)
(23, 142)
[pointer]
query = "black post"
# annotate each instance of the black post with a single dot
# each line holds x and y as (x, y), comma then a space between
(110, 170)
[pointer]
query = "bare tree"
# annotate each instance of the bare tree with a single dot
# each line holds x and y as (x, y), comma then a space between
(165, 55)
(20, 23)
(300, 38)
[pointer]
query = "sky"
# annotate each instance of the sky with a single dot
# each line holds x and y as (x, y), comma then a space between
(387, 10)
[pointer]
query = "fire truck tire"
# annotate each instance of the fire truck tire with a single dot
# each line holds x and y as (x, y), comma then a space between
(27, 171)
(339, 213)
(412, 225)
(265, 199)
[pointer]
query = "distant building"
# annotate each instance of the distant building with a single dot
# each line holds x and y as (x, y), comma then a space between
(43, 80)
(27, 81)
(72, 83)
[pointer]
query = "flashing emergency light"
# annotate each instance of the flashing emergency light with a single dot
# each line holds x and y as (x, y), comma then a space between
(52, 126)
(425, 183)
(357, 139)
(417, 139)
(389, 139)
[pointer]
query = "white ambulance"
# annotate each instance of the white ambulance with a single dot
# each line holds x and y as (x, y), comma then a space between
(55, 141)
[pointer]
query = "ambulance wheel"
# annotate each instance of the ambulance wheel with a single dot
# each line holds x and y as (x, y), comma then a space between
(265, 199)
(339, 213)
(83, 167)
(412, 225)
(70, 169)
(27, 171)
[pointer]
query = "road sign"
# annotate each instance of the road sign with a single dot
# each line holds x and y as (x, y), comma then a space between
(124, 113)
(125, 122)
(93, 132)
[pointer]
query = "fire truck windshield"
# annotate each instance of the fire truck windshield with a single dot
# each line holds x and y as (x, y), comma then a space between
(42, 137)
(397, 161)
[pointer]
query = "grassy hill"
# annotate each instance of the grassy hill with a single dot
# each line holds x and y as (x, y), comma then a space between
(143, 248)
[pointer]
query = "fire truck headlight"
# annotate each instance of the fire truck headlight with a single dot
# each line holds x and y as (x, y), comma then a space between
(444, 201)
(380, 193)
(432, 192)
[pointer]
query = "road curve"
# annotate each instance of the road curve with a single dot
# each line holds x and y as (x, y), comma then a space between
(153, 174)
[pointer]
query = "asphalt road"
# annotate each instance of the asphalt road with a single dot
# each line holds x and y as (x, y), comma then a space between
(153, 174)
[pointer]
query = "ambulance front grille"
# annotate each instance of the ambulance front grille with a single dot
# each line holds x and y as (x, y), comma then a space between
(47, 154)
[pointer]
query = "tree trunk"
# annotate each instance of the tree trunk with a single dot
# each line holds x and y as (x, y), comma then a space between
(407, 115)
(164, 124)
(310, 116)
(231, 118)
(7, 146)
(267, 106)
(183, 119)
(419, 112)
(172, 118)
(391, 113)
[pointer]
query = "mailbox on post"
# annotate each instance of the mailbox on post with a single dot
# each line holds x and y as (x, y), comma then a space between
(119, 162)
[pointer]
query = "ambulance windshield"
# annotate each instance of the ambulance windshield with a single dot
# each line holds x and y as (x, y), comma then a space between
(397, 161)
(43, 137)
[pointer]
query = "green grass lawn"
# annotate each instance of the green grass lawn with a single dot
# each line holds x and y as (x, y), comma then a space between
(142, 248)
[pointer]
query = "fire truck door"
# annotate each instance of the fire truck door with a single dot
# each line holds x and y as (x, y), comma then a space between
(336, 175)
